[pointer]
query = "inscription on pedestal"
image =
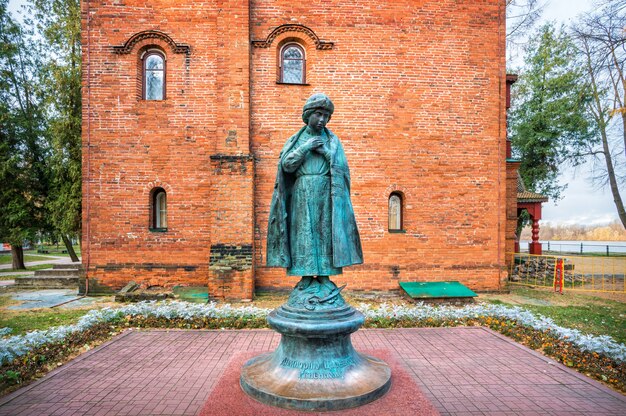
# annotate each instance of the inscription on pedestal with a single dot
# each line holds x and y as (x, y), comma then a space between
(332, 368)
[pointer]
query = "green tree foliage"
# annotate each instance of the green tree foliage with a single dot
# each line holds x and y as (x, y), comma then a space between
(59, 23)
(24, 172)
(548, 123)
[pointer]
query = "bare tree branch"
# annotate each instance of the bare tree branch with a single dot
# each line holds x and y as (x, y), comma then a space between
(601, 40)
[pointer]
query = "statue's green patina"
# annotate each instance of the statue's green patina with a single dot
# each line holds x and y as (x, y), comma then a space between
(312, 232)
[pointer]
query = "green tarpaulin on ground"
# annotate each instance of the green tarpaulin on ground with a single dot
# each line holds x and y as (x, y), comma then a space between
(197, 294)
(429, 290)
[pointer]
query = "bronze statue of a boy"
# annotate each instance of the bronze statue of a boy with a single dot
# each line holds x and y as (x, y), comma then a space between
(312, 231)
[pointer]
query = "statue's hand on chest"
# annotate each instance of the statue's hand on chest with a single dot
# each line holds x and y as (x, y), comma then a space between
(319, 144)
(314, 143)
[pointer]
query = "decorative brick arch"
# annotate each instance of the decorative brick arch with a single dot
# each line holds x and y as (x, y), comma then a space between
(394, 188)
(157, 184)
(293, 28)
(128, 46)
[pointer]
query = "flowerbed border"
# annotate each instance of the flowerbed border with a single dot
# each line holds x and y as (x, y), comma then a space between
(23, 357)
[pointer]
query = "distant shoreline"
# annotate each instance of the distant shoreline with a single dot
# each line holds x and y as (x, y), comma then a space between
(613, 232)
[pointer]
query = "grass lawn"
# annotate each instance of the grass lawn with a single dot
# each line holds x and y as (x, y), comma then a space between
(55, 250)
(52, 250)
(6, 258)
(22, 321)
(39, 267)
(585, 312)
(30, 320)
(8, 272)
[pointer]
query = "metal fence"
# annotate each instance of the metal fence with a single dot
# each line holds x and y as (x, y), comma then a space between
(574, 247)
(584, 273)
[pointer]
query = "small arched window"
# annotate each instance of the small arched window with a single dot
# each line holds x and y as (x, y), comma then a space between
(158, 206)
(153, 75)
(292, 64)
(395, 212)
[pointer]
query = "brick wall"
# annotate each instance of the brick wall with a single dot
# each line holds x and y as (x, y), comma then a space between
(418, 88)
(194, 144)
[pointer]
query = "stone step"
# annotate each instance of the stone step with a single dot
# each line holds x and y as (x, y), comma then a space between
(57, 272)
(61, 276)
(59, 282)
(68, 266)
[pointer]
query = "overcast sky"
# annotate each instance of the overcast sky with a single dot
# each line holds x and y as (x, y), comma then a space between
(583, 203)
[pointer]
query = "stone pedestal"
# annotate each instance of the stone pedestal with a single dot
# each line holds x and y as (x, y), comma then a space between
(315, 367)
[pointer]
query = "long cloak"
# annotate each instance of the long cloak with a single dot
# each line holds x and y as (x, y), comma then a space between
(346, 242)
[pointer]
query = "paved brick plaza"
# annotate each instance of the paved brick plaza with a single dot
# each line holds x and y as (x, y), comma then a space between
(461, 370)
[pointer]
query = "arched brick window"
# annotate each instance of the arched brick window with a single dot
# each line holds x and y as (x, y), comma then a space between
(153, 75)
(158, 209)
(292, 64)
(395, 212)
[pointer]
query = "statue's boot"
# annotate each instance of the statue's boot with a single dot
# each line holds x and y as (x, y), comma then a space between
(326, 282)
(305, 282)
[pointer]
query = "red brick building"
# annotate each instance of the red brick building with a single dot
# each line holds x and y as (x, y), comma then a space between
(187, 105)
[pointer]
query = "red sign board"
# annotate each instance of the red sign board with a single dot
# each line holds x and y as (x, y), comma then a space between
(558, 275)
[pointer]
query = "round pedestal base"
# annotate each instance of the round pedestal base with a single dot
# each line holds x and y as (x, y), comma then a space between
(315, 367)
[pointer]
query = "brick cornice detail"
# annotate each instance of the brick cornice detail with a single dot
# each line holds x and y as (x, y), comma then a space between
(128, 46)
(319, 44)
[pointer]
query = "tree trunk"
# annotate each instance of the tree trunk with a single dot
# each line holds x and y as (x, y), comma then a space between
(623, 114)
(617, 198)
(597, 111)
(17, 254)
(70, 249)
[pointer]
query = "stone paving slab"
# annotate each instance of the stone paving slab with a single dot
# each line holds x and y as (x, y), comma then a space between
(463, 371)
(45, 298)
